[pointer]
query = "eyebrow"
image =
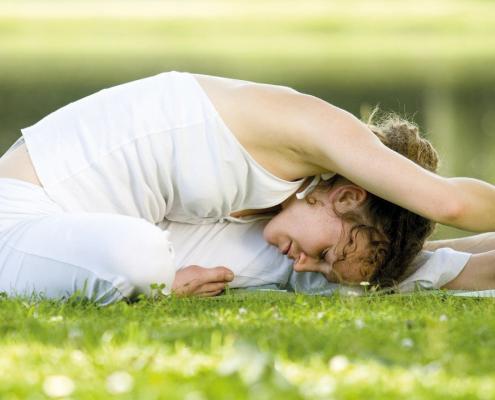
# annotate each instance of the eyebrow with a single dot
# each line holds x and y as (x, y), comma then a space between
(328, 250)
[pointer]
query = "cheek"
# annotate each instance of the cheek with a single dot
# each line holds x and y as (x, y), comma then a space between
(274, 228)
(320, 227)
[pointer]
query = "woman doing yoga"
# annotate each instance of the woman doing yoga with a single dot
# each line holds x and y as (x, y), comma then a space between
(199, 149)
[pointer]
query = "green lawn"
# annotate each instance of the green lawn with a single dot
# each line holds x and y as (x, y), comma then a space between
(250, 346)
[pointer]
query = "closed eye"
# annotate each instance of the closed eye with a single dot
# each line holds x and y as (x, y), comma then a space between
(323, 255)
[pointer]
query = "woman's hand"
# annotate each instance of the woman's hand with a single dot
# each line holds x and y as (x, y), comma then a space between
(198, 281)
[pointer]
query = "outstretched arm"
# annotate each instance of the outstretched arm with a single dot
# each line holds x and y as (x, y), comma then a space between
(332, 139)
(349, 148)
(471, 244)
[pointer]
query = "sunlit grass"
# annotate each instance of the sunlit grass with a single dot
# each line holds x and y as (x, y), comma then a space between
(257, 345)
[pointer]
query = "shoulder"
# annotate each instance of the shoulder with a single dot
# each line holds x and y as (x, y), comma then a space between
(267, 119)
(252, 103)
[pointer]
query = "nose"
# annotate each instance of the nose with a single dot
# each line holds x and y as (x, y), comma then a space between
(301, 268)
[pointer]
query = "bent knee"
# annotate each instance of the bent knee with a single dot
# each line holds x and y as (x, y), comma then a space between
(144, 257)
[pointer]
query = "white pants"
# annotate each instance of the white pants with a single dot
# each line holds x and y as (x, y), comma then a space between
(45, 250)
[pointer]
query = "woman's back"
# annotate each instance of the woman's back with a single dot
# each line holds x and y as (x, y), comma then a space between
(154, 148)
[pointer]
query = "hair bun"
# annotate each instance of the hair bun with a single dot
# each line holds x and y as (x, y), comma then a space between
(403, 137)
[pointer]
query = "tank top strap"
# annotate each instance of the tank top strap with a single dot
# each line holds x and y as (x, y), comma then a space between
(313, 184)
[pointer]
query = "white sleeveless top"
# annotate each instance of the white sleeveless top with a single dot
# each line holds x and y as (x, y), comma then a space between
(154, 148)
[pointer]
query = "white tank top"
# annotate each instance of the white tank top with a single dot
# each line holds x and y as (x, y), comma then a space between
(154, 148)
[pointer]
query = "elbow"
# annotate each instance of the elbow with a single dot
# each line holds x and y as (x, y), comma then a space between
(453, 214)
(452, 205)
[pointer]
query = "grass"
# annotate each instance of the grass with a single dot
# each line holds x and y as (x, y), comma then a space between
(250, 345)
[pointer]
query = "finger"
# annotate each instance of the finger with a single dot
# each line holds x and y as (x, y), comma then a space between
(217, 274)
(193, 288)
(210, 294)
(211, 287)
(188, 288)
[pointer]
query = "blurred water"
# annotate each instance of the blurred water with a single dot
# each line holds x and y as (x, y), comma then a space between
(429, 61)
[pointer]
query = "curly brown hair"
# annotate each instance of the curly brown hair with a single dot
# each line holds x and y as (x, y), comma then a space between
(394, 234)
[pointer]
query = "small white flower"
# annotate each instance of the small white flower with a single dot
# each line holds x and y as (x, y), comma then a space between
(364, 283)
(194, 396)
(319, 388)
(432, 367)
(320, 315)
(58, 386)
(56, 318)
(119, 382)
(443, 318)
(242, 310)
(249, 362)
(359, 323)
(338, 363)
(107, 337)
(75, 333)
(407, 342)
(78, 357)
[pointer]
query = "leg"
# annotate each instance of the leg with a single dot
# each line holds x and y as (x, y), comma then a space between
(119, 256)
(433, 270)
(478, 274)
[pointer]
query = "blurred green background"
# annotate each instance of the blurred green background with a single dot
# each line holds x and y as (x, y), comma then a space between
(431, 61)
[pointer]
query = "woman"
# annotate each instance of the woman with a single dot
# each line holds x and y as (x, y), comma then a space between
(200, 149)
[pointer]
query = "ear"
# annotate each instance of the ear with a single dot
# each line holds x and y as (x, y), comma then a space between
(348, 197)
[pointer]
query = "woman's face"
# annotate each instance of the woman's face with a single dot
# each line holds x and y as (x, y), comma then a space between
(310, 234)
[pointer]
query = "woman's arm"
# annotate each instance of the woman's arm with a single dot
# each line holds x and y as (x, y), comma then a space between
(478, 274)
(332, 139)
(471, 244)
(300, 135)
